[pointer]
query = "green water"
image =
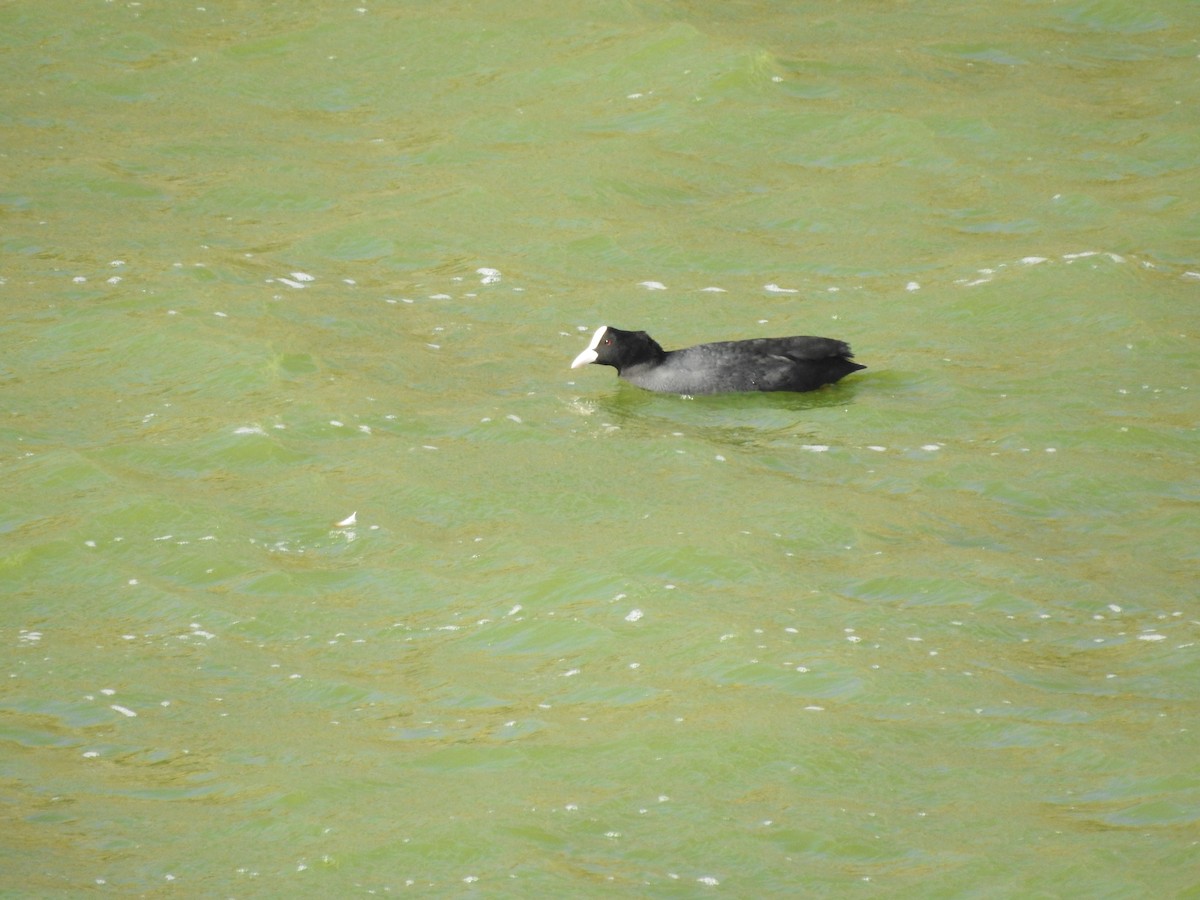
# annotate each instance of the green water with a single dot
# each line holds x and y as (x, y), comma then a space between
(930, 633)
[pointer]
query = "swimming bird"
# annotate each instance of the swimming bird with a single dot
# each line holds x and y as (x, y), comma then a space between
(758, 364)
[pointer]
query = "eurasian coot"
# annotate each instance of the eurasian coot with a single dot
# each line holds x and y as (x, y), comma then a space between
(759, 364)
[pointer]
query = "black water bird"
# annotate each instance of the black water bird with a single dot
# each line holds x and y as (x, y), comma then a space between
(759, 364)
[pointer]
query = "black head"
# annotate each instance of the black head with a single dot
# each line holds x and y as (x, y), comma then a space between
(619, 349)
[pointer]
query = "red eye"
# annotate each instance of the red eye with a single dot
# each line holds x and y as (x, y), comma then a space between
(608, 340)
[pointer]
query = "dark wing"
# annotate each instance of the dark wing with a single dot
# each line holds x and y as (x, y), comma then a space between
(803, 348)
(799, 363)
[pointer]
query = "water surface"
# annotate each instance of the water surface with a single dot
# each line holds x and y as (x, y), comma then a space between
(324, 575)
